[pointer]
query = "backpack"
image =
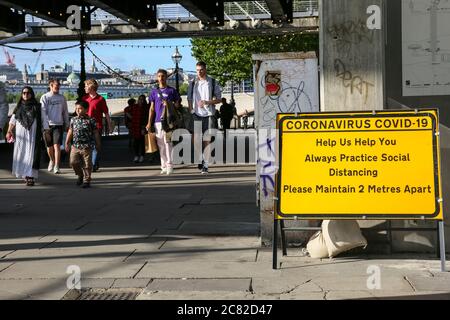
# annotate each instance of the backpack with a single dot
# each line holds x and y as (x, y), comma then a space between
(171, 118)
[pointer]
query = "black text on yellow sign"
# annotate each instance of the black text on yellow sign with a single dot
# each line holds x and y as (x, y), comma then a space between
(359, 165)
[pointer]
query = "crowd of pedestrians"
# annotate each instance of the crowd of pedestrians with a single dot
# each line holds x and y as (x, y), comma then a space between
(37, 123)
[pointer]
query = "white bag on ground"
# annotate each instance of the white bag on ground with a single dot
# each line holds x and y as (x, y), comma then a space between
(316, 247)
(337, 236)
(342, 235)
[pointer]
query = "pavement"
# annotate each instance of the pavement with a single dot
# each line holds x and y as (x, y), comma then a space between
(139, 235)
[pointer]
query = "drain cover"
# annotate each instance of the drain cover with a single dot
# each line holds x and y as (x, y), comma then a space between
(107, 295)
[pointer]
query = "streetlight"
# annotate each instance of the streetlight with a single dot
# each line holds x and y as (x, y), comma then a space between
(176, 58)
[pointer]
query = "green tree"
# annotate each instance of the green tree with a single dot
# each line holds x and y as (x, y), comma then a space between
(230, 58)
(183, 89)
(70, 96)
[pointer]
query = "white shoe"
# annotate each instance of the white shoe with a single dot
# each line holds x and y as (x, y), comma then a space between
(136, 159)
(56, 169)
(141, 159)
(169, 171)
(50, 166)
(163, 171)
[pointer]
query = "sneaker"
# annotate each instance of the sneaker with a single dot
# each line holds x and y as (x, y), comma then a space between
(163, 171)
(200, 166)
(50, 166)
(169, 171)
(56, 170)
(136, 159)
(141, 159)
(205, 170)
(80, 181)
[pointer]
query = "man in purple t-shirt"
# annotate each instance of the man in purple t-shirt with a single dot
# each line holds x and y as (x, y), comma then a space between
(158, 101)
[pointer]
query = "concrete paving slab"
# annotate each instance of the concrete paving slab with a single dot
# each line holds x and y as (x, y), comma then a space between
(75, 255)
(76, 237)
(422, 295)
(14, 243)
(207, 269)
(216, 228)
(193, 295)
(284, 286)
(96, 283)
(120, 227)
(268, 296)
(349, 295)
(428, 283)
(50, 289)
(5, 265)
(131, 283)
(5, 253)
(57, 270)
(358, 283)
(303, 296)
(229, 285)
(235, 200)
(221, 213)
(35, 226)
(249, 242)
(167, 198)
(191, 255)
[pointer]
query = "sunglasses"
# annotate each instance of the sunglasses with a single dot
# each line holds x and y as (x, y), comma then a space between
(26, 92)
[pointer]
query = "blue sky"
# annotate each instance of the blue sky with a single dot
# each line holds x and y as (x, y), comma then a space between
(149, 59)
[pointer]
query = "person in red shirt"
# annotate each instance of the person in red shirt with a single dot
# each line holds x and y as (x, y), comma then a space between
(97, 107)
(139, 116)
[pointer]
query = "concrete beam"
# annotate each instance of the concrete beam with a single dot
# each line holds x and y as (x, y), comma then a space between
(139, 13)
(49, 33)
(281, 10)
(11, 21)
(209, 12)
(50, 10)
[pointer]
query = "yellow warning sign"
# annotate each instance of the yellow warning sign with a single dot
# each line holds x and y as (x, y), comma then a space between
(359, 165)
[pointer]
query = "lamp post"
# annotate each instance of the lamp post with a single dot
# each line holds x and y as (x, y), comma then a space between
(176, 58)
(80, 90)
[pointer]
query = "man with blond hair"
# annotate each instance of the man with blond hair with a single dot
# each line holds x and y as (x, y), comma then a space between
(97, 107)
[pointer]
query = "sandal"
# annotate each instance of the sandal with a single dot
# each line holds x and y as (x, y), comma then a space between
(30, 181)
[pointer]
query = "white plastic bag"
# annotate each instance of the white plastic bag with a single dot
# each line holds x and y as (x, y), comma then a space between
(337, 236)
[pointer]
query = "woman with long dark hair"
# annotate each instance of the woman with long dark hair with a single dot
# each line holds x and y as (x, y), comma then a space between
(25, 127)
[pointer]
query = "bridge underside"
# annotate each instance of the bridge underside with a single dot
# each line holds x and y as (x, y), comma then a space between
(46, 20)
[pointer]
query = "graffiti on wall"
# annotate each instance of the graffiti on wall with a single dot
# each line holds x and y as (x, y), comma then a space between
(289, 100)
(356, 83)
(266, 164)
(350, 33)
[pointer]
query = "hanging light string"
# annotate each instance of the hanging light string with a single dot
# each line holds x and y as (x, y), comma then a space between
(118, 75)
(140, 45)
(40, 50)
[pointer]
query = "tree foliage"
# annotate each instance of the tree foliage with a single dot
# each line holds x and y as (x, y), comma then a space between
(230, 57)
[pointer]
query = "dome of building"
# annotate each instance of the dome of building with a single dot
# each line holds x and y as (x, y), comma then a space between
(73, 79)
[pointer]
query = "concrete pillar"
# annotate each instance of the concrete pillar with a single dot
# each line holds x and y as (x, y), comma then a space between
(351, 55)
(284, 83)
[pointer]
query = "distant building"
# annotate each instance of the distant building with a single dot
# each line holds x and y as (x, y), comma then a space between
(73, 79)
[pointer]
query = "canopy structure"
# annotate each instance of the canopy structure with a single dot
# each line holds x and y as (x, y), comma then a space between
(47, 20)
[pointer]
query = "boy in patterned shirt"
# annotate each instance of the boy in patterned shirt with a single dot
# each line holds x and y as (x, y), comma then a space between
(84, 136)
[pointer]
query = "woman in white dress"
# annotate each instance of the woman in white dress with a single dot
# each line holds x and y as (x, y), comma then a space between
(25, 127)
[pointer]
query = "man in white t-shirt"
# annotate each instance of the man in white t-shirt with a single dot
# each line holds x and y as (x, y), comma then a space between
(203, 95)
(56, 113)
